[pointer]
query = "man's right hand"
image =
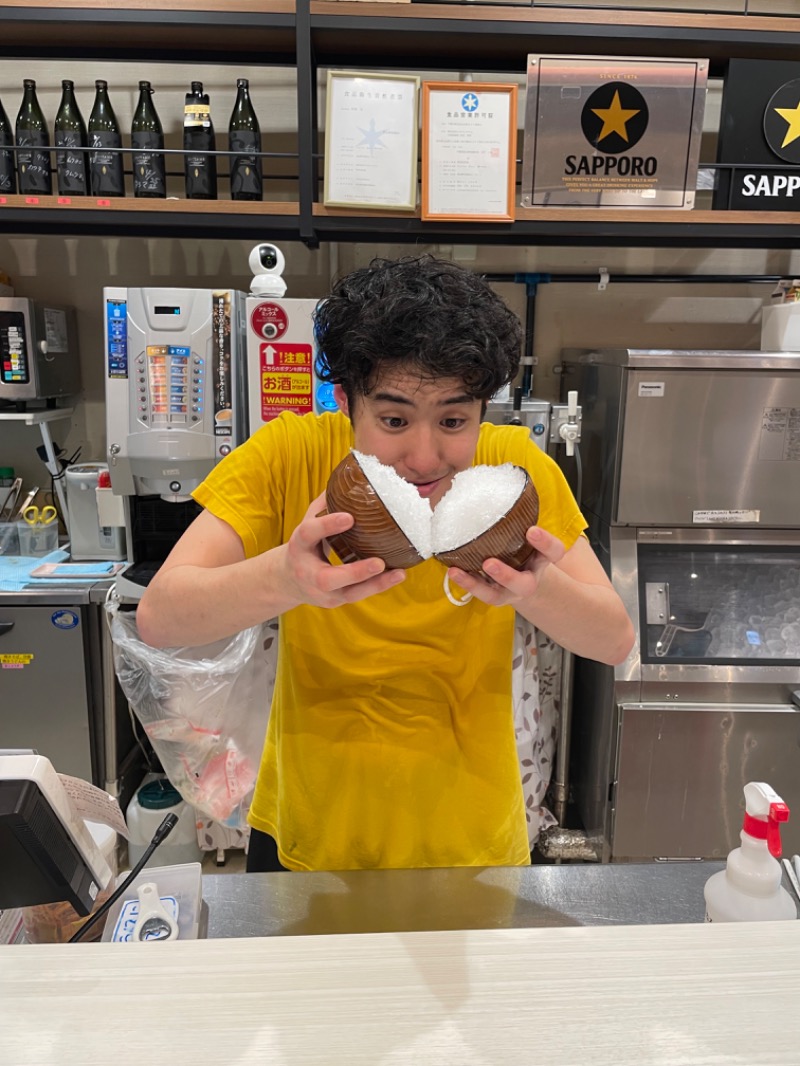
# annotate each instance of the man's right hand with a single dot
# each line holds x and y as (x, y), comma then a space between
(311, 579)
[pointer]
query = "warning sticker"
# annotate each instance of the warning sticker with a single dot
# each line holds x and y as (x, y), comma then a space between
(286, 379)
(15, 660)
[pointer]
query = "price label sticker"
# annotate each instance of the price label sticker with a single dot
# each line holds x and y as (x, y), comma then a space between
(64, 200)
(31, 199)
(104, 203)
(3, 200)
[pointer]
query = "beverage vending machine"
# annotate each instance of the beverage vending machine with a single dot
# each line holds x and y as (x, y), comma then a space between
(175, 406)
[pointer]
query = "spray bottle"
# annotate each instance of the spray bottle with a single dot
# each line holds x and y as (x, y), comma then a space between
(749, 888)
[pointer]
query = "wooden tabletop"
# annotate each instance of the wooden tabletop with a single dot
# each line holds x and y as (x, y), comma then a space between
(622, 996)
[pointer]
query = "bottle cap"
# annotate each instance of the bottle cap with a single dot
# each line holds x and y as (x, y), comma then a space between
(145, 85)
(101, 84)
(242, 83)
(197, 87)
(67, 84)
(158, 795)
(29, 83)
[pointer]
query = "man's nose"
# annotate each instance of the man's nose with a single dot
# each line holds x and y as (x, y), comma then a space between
(422, 454)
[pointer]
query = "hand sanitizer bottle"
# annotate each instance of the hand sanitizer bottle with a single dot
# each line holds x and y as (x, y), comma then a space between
(749, 888)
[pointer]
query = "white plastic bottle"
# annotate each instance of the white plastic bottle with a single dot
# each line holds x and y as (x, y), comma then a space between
(749, 888)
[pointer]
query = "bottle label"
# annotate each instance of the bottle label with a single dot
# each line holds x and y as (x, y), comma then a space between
(245, 169)
(7, 182)
(197, 115)
(34, 167)
(106, 167)
(71, 166)
(149, 172)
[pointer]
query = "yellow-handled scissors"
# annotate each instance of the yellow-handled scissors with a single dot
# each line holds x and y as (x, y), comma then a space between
(35, 517)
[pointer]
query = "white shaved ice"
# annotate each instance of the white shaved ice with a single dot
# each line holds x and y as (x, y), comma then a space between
(478, 498)
(401, 499)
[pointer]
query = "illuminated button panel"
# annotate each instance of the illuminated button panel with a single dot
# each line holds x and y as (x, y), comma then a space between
(169, 385)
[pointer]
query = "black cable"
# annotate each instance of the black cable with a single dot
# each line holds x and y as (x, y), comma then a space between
(159, 837)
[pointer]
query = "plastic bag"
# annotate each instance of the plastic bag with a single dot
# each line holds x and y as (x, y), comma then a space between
(204, 709)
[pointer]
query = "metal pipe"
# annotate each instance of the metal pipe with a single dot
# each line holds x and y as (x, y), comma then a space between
(560, 782)
(639, 279)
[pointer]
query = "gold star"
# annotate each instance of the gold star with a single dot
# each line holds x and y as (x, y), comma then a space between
(614, 118)
(792, 116)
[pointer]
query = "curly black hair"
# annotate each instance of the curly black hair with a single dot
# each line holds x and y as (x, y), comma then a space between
(420, 313)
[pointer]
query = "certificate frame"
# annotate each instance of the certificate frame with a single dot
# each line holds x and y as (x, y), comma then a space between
(384, 175)
(468, 167)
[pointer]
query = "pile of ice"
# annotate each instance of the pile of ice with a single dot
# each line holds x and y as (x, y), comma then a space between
(478, 497)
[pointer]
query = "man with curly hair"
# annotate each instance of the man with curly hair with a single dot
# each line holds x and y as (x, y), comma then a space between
(391, 740)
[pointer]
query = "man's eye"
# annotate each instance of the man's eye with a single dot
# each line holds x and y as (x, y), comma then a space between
(394, 423)
(453, 423)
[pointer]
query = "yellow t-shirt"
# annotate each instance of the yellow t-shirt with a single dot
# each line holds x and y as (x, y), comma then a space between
(391, 740)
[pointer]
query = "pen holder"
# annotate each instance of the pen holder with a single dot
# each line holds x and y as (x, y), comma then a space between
(37, 540)
(9, 539)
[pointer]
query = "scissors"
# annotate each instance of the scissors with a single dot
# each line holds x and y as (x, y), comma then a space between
(35, 517)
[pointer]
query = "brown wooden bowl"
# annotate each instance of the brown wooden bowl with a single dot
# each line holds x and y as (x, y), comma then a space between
(374, 533)
(505, 540)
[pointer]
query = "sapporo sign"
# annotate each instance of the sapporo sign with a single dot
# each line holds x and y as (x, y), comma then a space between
(618, 132)
(760, 124)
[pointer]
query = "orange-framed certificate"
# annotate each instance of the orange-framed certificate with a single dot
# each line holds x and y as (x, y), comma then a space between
(469, 151)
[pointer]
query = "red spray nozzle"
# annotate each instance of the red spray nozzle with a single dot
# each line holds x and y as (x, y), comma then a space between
(768, 830)
(104, 480)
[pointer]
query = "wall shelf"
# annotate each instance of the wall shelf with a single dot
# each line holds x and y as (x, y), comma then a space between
(317, 34)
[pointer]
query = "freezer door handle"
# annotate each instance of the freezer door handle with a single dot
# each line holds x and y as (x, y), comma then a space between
(6, 627)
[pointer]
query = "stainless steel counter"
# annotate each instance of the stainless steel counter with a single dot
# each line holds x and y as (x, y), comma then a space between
(367, 901)
(60, 595)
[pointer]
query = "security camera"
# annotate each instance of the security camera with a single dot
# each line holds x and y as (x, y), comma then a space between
(267, 263)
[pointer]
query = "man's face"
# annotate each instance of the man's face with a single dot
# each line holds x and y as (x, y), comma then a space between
(426, 430)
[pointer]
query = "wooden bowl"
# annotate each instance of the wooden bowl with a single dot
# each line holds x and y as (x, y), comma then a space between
(505, 540)
(374, 532)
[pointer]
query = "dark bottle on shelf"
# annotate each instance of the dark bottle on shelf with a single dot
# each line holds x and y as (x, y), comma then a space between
(105, 167)
(149, 171)
(244, 135)
(33, 162)
(8, 172)
(72, 164)
(198, 139)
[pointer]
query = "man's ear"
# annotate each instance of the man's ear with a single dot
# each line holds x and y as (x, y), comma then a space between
(341, 400)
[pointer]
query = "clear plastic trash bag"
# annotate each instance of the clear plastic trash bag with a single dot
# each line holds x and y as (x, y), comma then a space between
(204, 709)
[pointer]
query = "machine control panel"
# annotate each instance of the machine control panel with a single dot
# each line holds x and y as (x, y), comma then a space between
(14, 365)
(169, 385)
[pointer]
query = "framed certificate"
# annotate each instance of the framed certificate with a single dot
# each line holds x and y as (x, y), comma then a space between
(371, 140)
(469, 151)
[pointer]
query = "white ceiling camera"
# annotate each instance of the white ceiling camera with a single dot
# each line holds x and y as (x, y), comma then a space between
(267, 263)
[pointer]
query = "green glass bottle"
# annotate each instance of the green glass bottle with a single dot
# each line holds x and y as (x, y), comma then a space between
(244, 135)
(8, 172)
(198, 139)
(149, 171)
(69, 136)
(33, 163)
(105, 167)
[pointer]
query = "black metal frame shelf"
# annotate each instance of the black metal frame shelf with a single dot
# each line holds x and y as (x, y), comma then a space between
(319, 34)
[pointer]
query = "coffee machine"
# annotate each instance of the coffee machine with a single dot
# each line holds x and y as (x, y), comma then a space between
(175, 406)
